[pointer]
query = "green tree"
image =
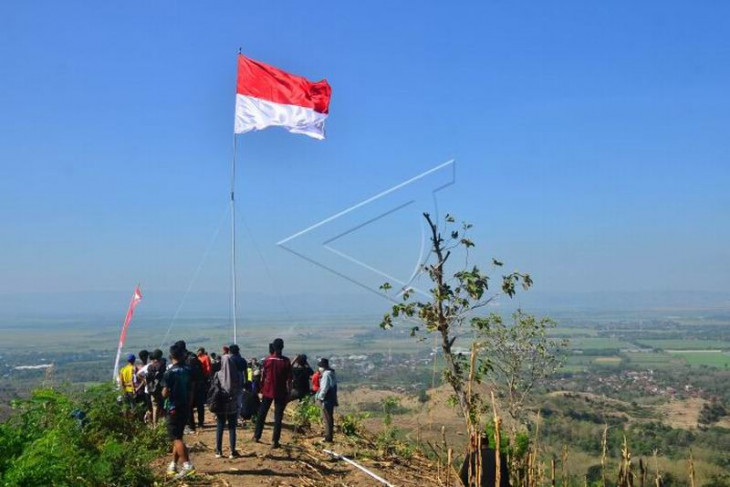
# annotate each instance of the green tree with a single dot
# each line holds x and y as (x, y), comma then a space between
(453, 301)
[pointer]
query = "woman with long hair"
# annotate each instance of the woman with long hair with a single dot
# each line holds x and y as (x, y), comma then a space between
(229, 380)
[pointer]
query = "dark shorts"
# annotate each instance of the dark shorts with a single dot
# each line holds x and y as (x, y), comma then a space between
(176, 425)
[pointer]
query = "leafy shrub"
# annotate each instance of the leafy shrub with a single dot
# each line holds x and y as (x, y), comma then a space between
(48, 442)
(351, 424)
(306, 414)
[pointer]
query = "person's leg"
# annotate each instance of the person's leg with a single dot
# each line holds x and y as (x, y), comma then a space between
(200, 398)
(279, 407)
(181, 451)
(220, 420)
(232, 430)
(191, 409)
(263, 411)
(328, 414)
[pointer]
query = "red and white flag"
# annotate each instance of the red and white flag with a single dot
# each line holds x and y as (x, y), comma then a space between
(136, 298)
(269, 97)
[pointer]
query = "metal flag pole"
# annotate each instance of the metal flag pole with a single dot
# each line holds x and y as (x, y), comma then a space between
(234, 300)
(233, 240)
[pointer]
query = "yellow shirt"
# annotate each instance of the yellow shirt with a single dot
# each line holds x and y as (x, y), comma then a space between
(126, 376)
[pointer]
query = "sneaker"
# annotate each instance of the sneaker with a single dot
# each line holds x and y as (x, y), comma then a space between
(276, 446)
(187, 430)
(187, 470)
(234, 454)
(219, 454)
(172, 468)
(256, 440)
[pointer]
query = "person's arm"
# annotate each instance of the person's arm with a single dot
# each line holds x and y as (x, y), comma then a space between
(262, 379)
(164, 383)
(324, 385)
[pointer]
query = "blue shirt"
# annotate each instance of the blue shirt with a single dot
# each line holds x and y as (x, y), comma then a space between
(177, 381)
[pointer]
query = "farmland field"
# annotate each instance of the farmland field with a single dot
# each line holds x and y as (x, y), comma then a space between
(709, 358)
(674, 344)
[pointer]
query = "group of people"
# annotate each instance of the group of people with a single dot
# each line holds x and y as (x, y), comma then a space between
(233, 389)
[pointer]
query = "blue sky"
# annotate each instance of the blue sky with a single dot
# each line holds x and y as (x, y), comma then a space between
(590, 139)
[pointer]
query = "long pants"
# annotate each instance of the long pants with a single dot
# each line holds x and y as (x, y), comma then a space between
(328, 417)
(279, 406)
(221, 420)
(200, 405)
(198, 402)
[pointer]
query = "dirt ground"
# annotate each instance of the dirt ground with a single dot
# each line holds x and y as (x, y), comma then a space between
(300, 462)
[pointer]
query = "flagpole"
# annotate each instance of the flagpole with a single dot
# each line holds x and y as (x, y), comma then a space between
(233, 240)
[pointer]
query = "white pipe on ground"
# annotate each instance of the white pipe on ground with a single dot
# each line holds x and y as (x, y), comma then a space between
(338, 456)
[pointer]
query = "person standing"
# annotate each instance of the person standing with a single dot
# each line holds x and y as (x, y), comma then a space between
(153, 377)
(215, 362)
(207, 372)
(128, 381)
(327, 397)
(176, 389)
(275, 387)
(315, 381)
(197, 387)
(228, 380)
(301, 373)
(240, 363)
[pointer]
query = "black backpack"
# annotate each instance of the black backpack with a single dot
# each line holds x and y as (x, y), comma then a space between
(155, 373)
(217, 397)
(196, 368)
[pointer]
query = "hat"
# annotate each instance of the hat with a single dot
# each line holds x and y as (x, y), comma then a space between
(131, 358)
(181, 345)
(323, 362)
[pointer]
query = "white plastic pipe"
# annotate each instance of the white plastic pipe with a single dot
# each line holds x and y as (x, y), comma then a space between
(380, 479)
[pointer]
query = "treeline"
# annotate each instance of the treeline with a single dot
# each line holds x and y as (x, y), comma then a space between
(58, 439)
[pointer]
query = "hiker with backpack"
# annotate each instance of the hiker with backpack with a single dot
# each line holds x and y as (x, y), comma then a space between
(240, 363)
(176, 390)
(198, 392)
(153, 377)
(223, 402)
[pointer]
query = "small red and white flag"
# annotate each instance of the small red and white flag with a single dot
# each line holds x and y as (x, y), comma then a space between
(136, 298)
(269, 97)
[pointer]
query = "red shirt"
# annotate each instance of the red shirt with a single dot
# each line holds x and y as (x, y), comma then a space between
(315, 381)
(276, 372)
(205, 365)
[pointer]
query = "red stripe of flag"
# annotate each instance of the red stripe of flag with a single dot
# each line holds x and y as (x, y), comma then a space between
(266, 82)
